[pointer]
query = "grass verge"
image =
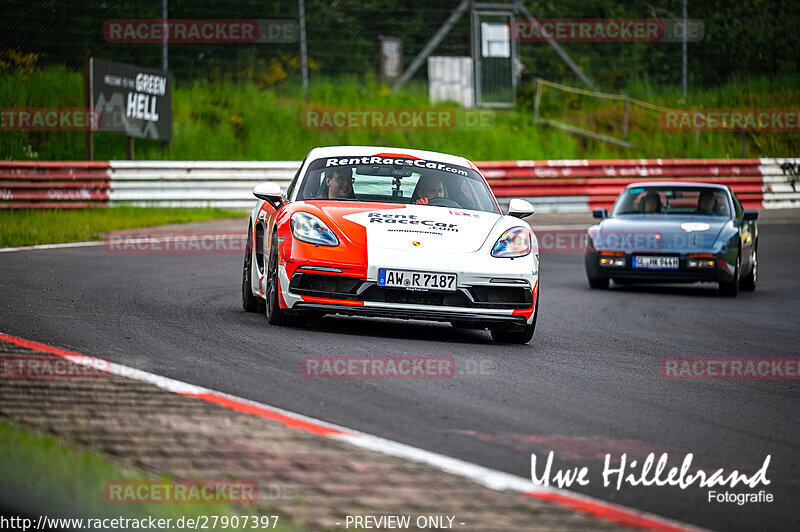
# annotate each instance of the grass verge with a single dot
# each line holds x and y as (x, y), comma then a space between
(43, 475)
(27, 227)
(221, 120)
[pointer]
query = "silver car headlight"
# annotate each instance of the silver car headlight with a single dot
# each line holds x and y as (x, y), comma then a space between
(516, 242)
(310, 229)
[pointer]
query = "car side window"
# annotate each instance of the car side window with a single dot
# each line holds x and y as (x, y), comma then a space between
(294, 181)
(737, 206)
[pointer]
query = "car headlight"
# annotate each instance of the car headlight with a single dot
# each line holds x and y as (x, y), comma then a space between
(515, 242)
(309, 228)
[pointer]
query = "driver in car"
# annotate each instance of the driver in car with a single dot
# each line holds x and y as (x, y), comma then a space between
(706, 202)
(429, 187)
(651, 202)
(339, 183)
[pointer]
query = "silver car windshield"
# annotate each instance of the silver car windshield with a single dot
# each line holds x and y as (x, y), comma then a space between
(396, 180)
(673, 200)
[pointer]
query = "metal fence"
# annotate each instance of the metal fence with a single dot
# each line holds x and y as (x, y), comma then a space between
(747, 38)
(552, 186)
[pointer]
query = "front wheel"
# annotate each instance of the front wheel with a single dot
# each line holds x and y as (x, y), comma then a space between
(731, 288)
(519, 336)
(748, 283)
(250, 303)
(275, 314)
(600, 283)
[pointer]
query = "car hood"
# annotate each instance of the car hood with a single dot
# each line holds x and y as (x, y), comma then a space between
(657, 232)
(411, 227)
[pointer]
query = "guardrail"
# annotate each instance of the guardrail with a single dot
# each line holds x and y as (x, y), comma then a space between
(781, 183)
(54, 184)
(581, 185)
(227, 184)
(552, 186)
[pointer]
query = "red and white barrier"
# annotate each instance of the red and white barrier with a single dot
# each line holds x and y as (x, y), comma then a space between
(589, 184)
(781, 183)
(552, 186)
(54, 184)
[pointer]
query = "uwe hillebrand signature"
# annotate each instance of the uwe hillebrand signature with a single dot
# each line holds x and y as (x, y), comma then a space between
(648, 473)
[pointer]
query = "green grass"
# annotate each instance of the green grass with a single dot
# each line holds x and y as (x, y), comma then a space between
(225, 121)
(43, 474)
(27, 227)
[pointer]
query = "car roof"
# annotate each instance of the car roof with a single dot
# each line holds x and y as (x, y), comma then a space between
(699, 184)
(372, 151)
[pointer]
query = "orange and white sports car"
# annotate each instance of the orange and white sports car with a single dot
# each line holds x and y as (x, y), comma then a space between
(391, 232)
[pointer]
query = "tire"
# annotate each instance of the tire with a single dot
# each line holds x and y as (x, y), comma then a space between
(600, 283)
(250, 303)
(521, 336)
(275, 314)
(748, 284)
(731, 288)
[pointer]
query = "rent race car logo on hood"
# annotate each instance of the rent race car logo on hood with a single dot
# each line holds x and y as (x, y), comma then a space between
(409, 219)
(419, 163)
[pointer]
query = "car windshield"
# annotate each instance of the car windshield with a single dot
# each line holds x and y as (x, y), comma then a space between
(396, 180)
(673, 200)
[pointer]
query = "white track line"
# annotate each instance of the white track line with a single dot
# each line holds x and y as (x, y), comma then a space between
(54, 246)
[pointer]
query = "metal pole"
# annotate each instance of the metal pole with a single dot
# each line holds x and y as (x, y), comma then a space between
(440, 34)
(301, 7)
(626, 119)
(128, 148)
(560, 51)
(685, 49)
(165, 39)
(88, 104)
(536, 100)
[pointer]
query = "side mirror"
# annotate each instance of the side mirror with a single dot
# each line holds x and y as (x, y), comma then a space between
(750, 215)
(270, 192)
(601, 214)
(519, 208)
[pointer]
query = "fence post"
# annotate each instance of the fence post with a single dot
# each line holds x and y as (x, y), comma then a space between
(625, 121)
(88, 141)
(536, 99)
(301, 8)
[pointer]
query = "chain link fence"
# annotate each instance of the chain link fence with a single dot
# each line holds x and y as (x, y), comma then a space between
(742, 39)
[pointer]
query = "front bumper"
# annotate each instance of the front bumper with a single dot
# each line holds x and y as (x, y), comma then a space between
(410, 312)
(722, 271)
(490, 291)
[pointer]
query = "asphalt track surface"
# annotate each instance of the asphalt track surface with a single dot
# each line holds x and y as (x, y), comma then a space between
(588, 384)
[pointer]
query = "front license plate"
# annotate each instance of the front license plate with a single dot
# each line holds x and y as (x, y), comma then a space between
(655, 263)
(417, 280)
